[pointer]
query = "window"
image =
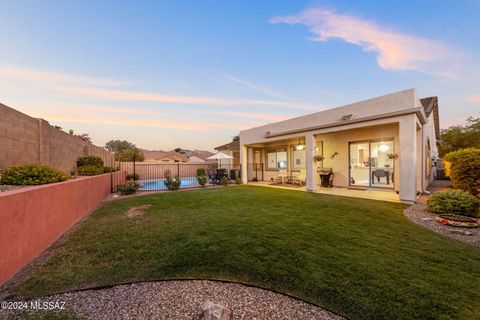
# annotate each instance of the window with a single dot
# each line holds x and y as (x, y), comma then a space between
(277, 159)
(298, 161)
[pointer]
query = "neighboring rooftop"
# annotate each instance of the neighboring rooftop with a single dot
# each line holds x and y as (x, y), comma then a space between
(231, 145)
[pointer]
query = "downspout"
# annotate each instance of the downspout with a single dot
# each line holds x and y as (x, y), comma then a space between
(423, 161)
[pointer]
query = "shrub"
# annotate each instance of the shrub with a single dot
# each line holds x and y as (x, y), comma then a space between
(224, 181)
(172, 183)
(453, 202)
(202, 180)
(128, 188)
(200, 172)
(89, 170)
(238, 180)
(90, 161)
(463, 168)
(132, 176)
(32, 174)
(109, 169)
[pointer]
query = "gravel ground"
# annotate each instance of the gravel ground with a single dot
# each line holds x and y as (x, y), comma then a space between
(182, 300)
(418, 214)
(4, 187)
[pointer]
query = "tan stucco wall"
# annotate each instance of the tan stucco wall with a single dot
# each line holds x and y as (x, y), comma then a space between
(339, 142)
(24, 139)
(397, 115)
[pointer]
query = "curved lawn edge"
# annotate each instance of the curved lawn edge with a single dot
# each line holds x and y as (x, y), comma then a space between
(275, 240)
(108, 286)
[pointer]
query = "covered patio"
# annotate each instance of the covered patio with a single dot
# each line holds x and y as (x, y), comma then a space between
(382, 148)
(382, 195)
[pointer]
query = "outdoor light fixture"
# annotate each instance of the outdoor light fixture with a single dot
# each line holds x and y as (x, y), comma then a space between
(299, 146)
(383, 147)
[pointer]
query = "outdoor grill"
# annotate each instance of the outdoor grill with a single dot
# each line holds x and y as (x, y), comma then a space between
(326, 177)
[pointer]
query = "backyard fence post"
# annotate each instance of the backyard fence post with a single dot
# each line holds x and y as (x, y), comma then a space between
(134, 178)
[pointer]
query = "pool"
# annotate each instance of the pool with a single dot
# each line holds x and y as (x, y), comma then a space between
(186, 182)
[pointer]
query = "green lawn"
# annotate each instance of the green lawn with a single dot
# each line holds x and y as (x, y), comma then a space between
(360, 258)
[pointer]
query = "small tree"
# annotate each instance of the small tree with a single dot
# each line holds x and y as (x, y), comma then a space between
(124, 150)
(463, 168)
(201, 178)
(85, 137)
(461, 136)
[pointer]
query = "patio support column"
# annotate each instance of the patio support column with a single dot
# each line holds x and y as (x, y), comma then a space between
(244, 162)
(408, 159)
(311, 144)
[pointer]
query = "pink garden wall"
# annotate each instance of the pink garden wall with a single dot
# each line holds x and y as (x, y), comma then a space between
(32, 218)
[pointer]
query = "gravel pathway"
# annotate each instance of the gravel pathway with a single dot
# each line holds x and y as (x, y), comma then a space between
(182, 300)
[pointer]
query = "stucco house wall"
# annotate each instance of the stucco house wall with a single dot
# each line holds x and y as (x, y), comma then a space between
(400, 116)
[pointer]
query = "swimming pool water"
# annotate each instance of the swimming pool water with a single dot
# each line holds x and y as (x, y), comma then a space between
(160, 185)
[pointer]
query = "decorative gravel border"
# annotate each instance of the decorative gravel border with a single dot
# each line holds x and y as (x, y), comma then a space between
(181, 299)
(418, 214)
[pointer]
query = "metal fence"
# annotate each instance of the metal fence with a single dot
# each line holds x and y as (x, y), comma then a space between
(151, 175)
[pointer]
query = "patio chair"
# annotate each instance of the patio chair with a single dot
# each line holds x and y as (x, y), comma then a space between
(300, 178)
(281, 178)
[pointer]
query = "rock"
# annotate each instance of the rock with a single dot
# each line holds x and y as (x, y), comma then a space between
(214, 311)
(466, 233)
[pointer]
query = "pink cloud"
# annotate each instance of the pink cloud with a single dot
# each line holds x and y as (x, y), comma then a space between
(474, 99)
(395, 50)
(42, 76)
(192, 100)
(157, 123)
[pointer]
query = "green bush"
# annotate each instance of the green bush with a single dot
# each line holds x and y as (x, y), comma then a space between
(32, 174)
(453, 202)
(90, 161)
(132, 176)
(463, 168)
(238, 180)
(128, 188)
(224, 181)
(172, 183)
(202, 180)
(89, 170)
(109, 169)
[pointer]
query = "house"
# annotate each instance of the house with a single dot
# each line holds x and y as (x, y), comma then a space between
(195, 159)
(385, 143)
(232, 149)
(164, 157)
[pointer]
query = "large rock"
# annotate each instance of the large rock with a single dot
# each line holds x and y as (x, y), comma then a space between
(214, 311)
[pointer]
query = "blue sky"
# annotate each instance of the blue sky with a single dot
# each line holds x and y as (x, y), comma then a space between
(164, 74)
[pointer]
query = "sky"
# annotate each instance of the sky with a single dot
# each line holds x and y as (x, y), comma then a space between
(192, 74)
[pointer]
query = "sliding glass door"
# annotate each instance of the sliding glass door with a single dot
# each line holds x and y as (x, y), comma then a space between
(370, 165)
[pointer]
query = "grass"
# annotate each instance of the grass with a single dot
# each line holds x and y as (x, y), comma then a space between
(360, 258)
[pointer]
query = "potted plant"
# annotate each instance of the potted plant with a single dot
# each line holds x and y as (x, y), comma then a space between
(392, 156)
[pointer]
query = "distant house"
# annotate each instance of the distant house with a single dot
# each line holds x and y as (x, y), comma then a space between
(232, 149)
(195, 159)
(164, 157)
(388, 142)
